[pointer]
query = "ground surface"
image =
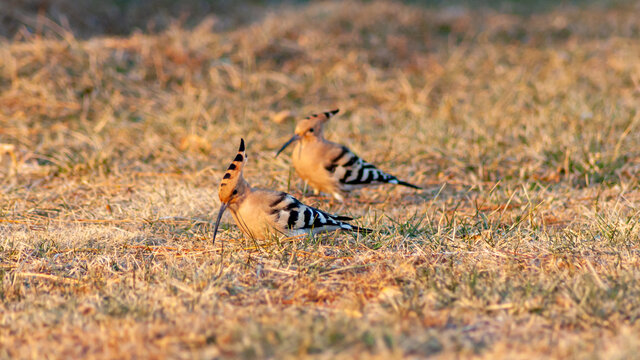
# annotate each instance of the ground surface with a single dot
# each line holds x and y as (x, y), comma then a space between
(523, 129)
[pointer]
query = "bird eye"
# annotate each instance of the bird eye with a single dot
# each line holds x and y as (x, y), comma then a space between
(235, 192)
(311, 130)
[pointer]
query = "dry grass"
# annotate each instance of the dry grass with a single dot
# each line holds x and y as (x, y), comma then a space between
(523, 129)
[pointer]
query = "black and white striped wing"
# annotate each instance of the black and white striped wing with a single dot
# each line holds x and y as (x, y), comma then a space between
(295, 218)
(353, 172)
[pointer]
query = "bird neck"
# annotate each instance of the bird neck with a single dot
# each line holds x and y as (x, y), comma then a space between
(244, 189)
(310, 139)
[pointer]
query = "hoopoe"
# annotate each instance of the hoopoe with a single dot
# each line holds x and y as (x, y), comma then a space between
(259, 212)
(329, 167)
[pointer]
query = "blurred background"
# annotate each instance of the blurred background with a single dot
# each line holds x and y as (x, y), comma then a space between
(120, 17)
(156, 81)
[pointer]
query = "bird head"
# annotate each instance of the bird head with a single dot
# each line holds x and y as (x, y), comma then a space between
(309, 127)
(233, 186)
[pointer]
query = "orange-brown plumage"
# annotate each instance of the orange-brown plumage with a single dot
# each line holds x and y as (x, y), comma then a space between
(260, 213)
(329, 167)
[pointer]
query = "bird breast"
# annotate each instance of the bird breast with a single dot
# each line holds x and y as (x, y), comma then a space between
(252, 217)
(309, 161)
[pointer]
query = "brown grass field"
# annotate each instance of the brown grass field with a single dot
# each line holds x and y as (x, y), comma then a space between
(524, 129)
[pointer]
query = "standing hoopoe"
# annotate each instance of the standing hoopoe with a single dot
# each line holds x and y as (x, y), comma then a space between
(329, 167)
(261, 212)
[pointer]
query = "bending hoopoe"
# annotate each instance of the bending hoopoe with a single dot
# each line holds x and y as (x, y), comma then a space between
(329, 167)
(259, 212)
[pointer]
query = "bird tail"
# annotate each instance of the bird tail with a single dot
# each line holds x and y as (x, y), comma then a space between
(361, 230)
(404, 183)
(342, 218)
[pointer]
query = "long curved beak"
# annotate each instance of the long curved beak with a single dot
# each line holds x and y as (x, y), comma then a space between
(223, 207)
(293, 138)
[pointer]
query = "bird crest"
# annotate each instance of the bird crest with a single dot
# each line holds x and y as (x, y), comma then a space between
(312, 125)
(309, 128)
(229, 186)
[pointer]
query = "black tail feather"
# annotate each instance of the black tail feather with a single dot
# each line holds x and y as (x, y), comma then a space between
(361, 230)
(404, 183)
(342, 218)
